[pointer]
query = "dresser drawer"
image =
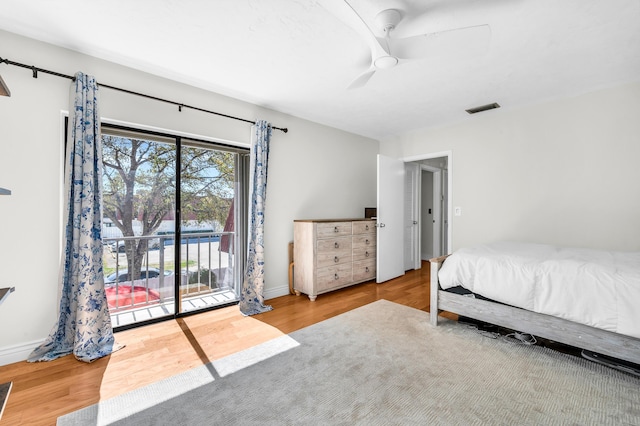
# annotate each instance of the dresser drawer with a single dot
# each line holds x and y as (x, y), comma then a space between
(364, 270)
(334, 245)
(364, 254)
(334, 276)
(328, 259)
(335, 229)
(364, 227)
(364, 242)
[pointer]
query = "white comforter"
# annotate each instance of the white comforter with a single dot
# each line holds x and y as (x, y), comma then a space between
(592, 287)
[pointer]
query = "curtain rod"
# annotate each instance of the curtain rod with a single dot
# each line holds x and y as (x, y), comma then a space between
(36, 70)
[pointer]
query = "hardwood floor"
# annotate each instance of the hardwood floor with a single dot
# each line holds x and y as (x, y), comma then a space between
(44, 391)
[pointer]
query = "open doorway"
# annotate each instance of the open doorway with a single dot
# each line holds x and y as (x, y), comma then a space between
(427, 222)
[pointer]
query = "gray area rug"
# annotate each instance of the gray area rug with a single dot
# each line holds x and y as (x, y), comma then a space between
(382, 364)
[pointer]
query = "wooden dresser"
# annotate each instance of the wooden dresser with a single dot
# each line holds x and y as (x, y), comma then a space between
(329, 254)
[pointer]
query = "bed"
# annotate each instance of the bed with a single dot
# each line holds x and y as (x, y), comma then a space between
(589, 299)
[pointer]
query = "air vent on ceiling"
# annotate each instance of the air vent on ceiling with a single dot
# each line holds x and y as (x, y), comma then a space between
(483, 108)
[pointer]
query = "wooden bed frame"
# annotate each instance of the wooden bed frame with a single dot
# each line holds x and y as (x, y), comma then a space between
(600, 341)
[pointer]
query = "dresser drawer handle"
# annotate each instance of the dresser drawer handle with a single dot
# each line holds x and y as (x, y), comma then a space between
(366, 227)
(366, 254)
(336, 277)
(366, 269)
(366, 241)
(335, 259)
(336, 245)
(335, 229)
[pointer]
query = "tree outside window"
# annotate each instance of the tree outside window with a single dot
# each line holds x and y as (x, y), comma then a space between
(139, 188)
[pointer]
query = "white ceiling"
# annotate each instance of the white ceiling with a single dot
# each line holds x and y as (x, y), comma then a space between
(300, 56)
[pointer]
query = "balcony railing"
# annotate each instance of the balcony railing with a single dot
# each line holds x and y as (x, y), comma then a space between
(204, 269)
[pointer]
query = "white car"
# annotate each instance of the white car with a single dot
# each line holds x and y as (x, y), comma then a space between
(123, 275)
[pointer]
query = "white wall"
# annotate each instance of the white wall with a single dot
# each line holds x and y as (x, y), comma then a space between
(563, 172)
(314, 172)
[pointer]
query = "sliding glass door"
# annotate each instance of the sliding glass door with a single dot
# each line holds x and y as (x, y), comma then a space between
(170, 226)
(207, 226)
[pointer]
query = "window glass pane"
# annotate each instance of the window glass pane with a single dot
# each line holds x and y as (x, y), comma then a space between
(207, 192)
(139, 205)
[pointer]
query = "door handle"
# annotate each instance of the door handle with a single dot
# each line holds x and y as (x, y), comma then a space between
(415, 222)
(382, 225)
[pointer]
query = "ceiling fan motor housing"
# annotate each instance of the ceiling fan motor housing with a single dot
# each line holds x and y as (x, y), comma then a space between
(388, 19)
(384, 62)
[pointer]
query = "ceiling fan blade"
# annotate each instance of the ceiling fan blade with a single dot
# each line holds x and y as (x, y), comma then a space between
(347, 14)
(344, 11)
(362, 79)
(460, 42)
(377, 48)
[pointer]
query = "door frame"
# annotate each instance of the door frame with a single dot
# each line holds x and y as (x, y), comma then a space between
(448, 228)
(438, 221)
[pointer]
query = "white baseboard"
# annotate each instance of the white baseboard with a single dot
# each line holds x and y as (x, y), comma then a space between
(18, 353)
(272, 293)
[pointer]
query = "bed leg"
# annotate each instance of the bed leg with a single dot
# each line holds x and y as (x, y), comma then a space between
(433, 303)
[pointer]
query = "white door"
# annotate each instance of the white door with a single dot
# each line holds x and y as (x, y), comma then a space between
(390, 212)
(411, 216)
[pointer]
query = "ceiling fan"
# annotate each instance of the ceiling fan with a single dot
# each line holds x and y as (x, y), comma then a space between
(388, 52)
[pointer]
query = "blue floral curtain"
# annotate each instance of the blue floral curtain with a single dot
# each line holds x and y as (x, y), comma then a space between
(84, 325)
(251, 295)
